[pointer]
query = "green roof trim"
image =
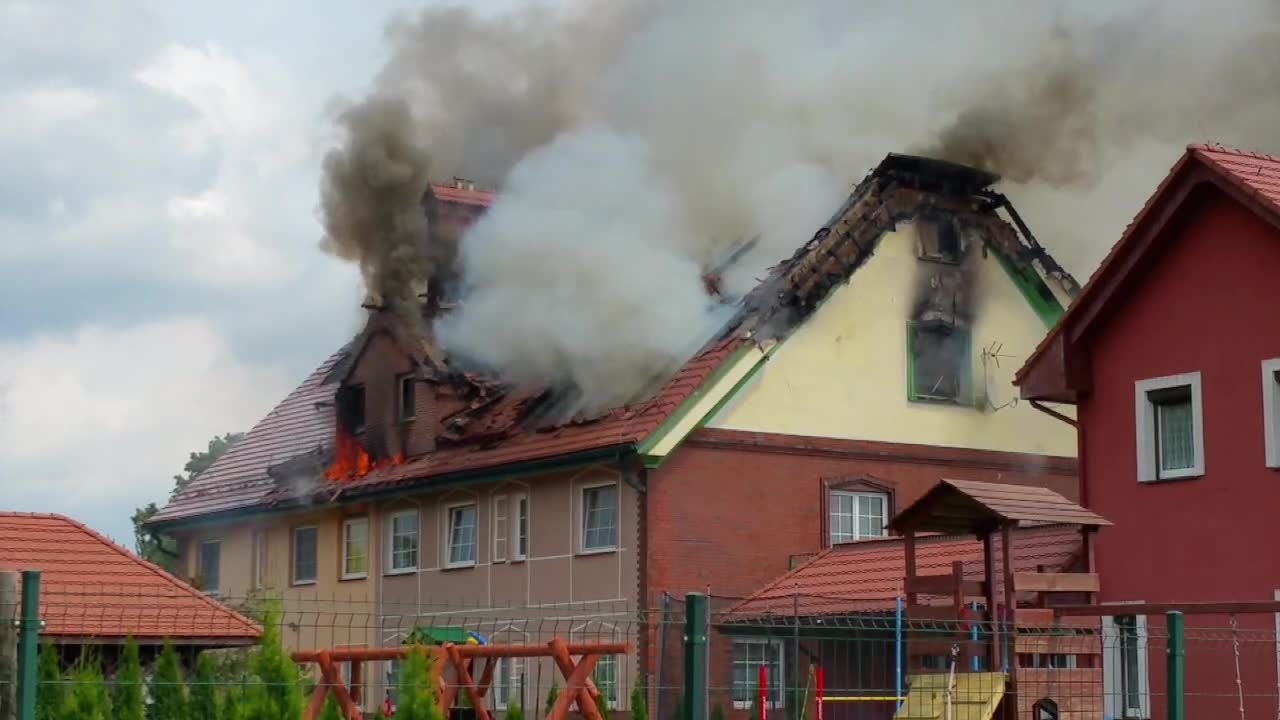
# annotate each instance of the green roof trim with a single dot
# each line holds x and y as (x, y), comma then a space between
(1034, 290)
(675, 418)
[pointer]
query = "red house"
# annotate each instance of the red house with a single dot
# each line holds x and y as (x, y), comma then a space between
(1171, 357)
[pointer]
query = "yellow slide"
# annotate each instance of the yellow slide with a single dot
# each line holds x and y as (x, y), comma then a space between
(974, 696)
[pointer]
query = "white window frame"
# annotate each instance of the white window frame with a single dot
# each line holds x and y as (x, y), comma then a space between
(782, 673)
(405, 414)
(259, 559)
(611, 686)
(1112, 669)
(1271, 410)
(501, 512)
(520, 550)
(506, 682)
(1144, 410)
(858, 496)
(582, 517)
(200, 571)
(293, 553)
(448, 534)
(391, 568)
(347, 524)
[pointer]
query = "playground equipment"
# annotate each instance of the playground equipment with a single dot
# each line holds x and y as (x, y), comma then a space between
(461, 659)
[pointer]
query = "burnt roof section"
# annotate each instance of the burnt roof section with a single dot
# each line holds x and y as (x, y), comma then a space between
(936, 175)
(966, 506)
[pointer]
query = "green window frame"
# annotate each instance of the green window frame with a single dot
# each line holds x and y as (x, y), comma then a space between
(963, 370)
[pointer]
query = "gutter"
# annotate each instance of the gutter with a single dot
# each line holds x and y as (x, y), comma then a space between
(609, 454)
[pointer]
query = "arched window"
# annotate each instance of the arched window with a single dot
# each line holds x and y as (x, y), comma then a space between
(1044, 709)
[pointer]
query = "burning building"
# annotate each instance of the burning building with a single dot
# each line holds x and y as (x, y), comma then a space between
(869, 364)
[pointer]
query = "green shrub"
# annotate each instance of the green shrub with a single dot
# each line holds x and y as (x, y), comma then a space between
(128, 700)
(552, 695)
(640, 706)
(602, 700)
(416, 696)
(168, 694)
(276, 693)
(51, 690)
(86, 697)
(514, 712)
(204, 690)
(717, 712)
(231, 706)
(330, 711)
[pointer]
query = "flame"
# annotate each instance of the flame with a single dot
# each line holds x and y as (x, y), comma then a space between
(351, 461)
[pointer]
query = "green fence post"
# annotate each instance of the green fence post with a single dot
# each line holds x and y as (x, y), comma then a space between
(1177, 666)
(695, 657)
(28, 644)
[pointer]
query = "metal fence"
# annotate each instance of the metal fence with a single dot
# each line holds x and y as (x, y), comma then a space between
(708, 658)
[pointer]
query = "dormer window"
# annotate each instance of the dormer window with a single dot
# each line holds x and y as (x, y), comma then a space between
(939, 240)
(351, 408)
(406, 389)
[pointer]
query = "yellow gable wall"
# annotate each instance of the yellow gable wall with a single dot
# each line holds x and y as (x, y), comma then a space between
(843, 373)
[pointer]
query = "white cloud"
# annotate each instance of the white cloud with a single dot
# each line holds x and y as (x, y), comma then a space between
(33, 112)
(95, 422)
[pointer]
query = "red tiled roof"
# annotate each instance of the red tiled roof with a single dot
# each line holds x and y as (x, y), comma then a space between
(867, 576)
(466, 196)
(1256, 175)
(301, 422)
(91, 587)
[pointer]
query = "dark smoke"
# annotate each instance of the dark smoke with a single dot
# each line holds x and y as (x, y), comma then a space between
(371, 201)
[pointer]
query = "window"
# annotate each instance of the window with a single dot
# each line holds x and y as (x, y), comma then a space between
(1125, 678)
(606, 678)
(403, 528)
(350, 401)
(1271, 409)
(748, 656)
(1170, 428)
(259, 559)
(599, 518)
(355, 548)
(522, 528)
(938, 359)
(305, 545)
(210, 562)
(939, 240)
(462, 535)
(856, 516)
(393, 679)
(407, 386)
(508, 681)
(501, 525)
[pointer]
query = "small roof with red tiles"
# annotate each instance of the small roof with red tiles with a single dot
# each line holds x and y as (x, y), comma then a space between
(92, 588)
(867, 576)
(1251, 178)
(958, 506)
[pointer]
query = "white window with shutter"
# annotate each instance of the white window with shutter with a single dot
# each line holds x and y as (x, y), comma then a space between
(1125, 667)
(501, 527)
(1170, 427)
(1271, 410)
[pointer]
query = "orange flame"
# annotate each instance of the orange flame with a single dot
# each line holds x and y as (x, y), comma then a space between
(351, 461)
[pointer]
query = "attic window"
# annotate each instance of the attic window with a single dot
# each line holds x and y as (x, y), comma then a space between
(939, 240)
(351, 407)
(938, 362)
(407, 387)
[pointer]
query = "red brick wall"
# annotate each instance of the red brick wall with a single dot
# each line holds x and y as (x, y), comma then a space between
(729, 508)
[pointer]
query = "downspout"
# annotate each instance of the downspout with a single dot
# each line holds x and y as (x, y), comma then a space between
(1080, 465)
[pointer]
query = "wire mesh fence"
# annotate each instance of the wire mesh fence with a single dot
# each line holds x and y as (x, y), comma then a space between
(858, 659)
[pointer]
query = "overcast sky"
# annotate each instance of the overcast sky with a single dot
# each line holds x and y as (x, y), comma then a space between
(160, 280)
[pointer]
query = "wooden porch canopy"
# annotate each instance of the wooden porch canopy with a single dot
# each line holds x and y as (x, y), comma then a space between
(962, 507)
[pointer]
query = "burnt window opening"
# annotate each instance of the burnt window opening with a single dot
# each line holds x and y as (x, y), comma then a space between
(407, 388)
(938, 362)
(939, 240)
(351, 408)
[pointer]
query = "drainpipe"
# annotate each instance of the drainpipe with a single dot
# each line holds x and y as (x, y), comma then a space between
(1084, 486)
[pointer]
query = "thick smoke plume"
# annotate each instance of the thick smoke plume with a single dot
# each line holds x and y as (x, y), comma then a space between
(636, 144)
